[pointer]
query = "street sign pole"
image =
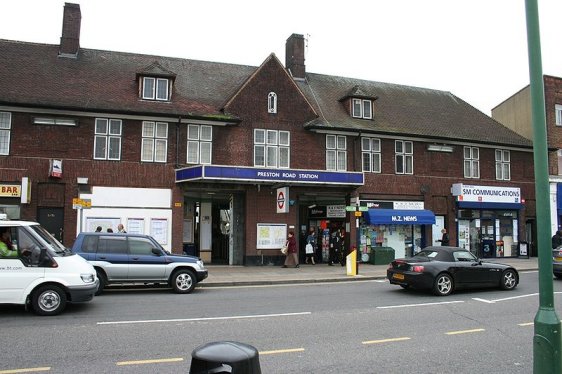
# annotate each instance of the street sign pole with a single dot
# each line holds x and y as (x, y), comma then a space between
(547, 339)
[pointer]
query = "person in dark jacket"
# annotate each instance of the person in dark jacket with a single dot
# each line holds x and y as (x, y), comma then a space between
(557, 239)
(444, 238)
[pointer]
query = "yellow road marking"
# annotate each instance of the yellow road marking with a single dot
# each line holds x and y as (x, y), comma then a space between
(526, 324)
(155, 361)
(385, 340)
(464, 331)
(26, 370)
(282, 351)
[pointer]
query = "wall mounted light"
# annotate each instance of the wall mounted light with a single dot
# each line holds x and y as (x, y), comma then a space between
(81, 180)
(440, 148)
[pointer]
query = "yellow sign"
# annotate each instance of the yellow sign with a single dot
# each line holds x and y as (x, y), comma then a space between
(81, 203)
(10, 190)
(351, 263)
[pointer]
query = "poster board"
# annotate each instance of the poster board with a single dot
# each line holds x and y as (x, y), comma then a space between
(159, 230)
(271, 235)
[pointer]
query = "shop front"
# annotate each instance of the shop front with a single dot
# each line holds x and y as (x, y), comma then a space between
(402, 230)
(488, 219)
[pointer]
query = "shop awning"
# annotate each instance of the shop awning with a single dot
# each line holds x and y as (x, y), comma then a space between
(399, 217)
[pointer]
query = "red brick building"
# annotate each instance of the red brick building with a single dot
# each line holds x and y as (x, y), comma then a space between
(223, 160)
(515, 113)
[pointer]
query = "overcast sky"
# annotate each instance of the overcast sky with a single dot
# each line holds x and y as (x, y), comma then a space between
(476, 49)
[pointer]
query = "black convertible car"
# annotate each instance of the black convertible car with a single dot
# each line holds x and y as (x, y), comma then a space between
(444, 269)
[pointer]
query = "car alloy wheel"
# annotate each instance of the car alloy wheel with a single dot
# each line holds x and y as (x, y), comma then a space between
(443, 285)
(183, 281)
(509, 280)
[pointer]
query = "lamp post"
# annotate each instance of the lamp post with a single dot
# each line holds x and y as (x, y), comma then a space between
(547, 339)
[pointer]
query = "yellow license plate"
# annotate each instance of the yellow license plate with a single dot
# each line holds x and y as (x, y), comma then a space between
(557, 259)
(398, 276)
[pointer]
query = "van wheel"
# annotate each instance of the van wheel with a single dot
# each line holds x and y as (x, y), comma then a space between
(103, 281)
(48, 300)
(183, 281)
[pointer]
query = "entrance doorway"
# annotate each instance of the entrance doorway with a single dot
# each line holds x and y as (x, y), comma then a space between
(52, 219)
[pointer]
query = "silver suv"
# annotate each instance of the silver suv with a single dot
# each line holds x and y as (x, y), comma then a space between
(134, 258)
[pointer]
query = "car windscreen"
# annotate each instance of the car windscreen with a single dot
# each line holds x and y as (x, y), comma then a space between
(53, 243)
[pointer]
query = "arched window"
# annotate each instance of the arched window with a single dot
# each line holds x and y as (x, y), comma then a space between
(272, 102)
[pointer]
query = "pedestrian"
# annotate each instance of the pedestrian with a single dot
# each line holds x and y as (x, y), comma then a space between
(444, 238)
(557, 239)
(310, 246)
(291, 251)
(121, 228)
(341, 246)
(98, 229)
(334, 247)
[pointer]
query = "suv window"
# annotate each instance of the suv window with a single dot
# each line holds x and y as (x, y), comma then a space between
(90, 244)
(140, 246)
(112, 244)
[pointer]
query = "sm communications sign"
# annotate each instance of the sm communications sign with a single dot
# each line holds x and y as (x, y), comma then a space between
(486, 194)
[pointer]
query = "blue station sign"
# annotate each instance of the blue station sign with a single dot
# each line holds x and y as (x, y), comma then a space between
(260, 175)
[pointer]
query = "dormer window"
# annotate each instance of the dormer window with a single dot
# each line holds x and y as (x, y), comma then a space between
(361, 108)
(155, 89)
(272, 102)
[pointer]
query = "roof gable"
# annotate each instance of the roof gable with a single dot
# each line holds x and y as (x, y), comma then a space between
(270, 76)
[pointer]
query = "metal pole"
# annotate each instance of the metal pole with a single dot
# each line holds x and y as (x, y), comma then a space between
(547, 339)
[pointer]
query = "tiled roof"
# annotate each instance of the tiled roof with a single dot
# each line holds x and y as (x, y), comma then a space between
(34, 75)
(405, 111)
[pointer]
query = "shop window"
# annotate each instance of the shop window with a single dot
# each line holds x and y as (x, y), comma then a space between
(404, 156)
(503, 165)
(107, 140)
(371, 154)
(272, 148)
(471, 162)
(336, 152)
(272, 102)
(199, 144)
(154, 141)
(5, 127)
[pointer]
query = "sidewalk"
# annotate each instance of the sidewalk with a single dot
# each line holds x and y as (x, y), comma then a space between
(224, 275)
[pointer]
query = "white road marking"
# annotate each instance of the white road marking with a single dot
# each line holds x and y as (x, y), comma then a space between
(277, 351)
(152, 361)
(464, 331)
(414, 305)
(202, 319)
(26, 370)
(386, 340)
(483, 300)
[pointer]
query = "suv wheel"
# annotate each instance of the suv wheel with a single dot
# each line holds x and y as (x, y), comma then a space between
(103, 281)
(183, 281)
(48, 300)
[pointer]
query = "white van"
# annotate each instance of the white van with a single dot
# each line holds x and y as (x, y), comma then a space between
(38, 271)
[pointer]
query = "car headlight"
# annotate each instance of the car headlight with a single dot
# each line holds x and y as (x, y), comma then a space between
(88, 278)
(200, 264)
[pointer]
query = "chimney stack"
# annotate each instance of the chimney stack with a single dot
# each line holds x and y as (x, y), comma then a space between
(70, 39)
(294, 56)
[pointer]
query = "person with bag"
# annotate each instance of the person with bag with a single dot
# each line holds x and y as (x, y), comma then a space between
(310, 246)
(291, 245)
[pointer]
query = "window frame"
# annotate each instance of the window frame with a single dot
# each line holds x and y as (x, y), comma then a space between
(471, 161)
(108, 136)
(503, 164)
(558, 114)
(372, 153)
(272, 148)
(5, 132)
(336, 153)
(152, 141)
(202, 142)
(404, 157)
(272, 103)
(154, 92)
